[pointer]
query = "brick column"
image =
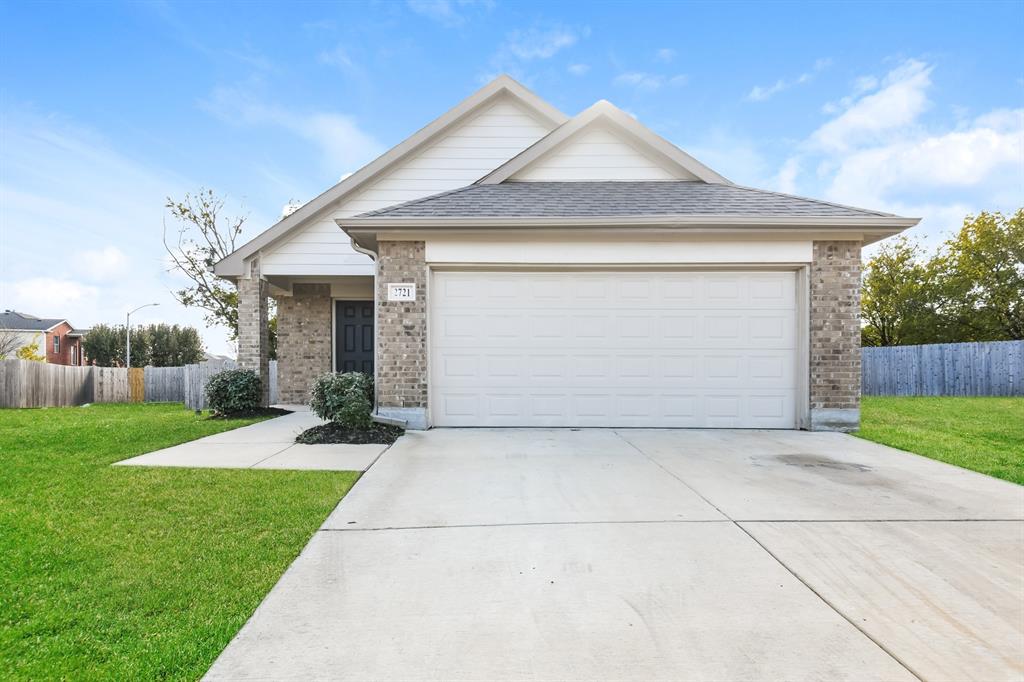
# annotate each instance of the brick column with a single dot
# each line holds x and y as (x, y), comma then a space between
(402, 334)
(835, 336)
(253, 339)
(303, 340)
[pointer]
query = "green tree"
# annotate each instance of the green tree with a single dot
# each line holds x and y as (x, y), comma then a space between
(159, 345)
(104, 345)
(173, 346)
(897, 297)
(980, 275)
(204, 236)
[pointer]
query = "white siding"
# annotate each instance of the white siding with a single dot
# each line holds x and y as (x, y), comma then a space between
(534, 250)
(598, 153)
(463, 155)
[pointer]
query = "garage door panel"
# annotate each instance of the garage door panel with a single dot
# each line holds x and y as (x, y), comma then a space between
(680, 349)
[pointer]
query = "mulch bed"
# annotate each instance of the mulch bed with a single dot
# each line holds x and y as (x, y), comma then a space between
(383, 434)
(265, 412)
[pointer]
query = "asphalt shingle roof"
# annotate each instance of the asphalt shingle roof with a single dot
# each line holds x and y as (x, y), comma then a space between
(612, 199)
(10, 319)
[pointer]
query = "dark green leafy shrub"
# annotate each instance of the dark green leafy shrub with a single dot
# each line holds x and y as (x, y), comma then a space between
(346, 399)
(233, 392)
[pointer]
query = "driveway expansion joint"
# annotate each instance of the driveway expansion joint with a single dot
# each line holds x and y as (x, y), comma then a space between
(777, 559)
(286, 447)
(524, 524)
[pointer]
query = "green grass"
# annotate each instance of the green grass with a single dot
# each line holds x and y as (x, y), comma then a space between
(129, 572)
(983, 434)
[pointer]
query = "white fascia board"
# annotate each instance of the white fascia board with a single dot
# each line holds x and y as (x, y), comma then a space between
(232, 265)
(867, 229)
(604, 110)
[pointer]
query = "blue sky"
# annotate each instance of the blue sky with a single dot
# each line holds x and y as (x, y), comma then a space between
(107, 108)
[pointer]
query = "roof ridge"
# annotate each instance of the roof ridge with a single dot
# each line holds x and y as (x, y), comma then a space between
(816, 201)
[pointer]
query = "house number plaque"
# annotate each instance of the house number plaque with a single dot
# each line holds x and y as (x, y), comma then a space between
(401, 292)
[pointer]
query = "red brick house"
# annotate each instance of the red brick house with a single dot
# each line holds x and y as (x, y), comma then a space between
(55, 338)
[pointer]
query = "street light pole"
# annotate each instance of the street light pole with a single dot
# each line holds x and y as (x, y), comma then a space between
(128, 334)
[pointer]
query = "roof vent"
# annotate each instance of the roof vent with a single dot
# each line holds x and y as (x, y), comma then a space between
(289, 208)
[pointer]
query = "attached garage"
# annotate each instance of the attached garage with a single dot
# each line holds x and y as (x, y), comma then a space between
(616, 348)
(605, 278)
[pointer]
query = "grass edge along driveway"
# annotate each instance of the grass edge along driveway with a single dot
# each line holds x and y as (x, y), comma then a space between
(132, 572)
(982, 434)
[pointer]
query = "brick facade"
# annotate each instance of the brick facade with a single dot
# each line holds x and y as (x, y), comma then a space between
(303, 340)
(402, 334)
(835, 335)
(69, 347)
(253, 339)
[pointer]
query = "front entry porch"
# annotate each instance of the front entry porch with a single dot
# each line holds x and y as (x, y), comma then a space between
(323, 325)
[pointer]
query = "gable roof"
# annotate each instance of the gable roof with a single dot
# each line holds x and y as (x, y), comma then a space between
(607, 113)
(612, 199)
(23, 322)
(621, 205)
(232, 265)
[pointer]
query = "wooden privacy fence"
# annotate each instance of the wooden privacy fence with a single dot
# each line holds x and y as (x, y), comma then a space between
(24, 383)
(993, 368)
(194, 378)
(163, 384)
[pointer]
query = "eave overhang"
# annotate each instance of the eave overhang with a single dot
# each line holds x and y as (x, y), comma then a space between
(364, 230)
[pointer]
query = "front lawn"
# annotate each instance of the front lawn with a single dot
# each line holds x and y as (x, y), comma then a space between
(133, 572)
(983, 434)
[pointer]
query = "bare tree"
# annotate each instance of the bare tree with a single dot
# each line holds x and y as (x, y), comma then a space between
(10, 342)
(201, 238)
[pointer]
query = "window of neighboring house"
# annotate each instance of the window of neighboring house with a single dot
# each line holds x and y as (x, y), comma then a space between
(74, 355)
(56, 343)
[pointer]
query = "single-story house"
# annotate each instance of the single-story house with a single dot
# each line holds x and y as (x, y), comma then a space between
(54, 338)
(508, 265)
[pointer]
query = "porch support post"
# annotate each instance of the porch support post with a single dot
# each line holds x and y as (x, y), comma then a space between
(253, 330)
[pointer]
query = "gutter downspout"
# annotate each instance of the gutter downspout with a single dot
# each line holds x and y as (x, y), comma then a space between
(391, 421)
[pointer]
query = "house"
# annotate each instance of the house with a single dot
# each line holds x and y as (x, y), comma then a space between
(54, 338)
(508, 265)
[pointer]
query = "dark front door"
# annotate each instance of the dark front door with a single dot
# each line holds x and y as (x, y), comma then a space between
(353, 336)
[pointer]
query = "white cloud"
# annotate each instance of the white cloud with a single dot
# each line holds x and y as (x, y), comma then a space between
(642, 80)
(535, 43)
(665, 55)
(785, 181)
(341, 140)
(50, 297)
(901, 99)
(761, 93)
(338, 57)
(523, 47)
(982, 155)
(98, 265)
(449, 13)
(877, 152)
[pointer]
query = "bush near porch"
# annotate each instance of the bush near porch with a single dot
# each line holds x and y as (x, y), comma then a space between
(132, 572)
(982, 434)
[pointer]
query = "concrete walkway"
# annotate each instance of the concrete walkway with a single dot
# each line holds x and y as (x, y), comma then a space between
(269, 444)
(650, 555)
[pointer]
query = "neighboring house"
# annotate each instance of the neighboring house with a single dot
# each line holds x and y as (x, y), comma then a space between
(510, 266)
(54, 337)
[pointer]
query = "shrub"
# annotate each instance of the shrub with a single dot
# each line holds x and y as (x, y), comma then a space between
(233, 392)
(344, 398)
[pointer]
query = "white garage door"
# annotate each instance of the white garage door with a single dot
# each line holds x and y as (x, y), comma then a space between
(641, 349)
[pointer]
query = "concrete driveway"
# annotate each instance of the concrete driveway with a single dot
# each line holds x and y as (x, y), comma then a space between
(650, 555)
